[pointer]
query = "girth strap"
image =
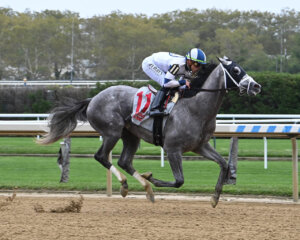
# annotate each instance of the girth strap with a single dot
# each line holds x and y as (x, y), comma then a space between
(157, 130)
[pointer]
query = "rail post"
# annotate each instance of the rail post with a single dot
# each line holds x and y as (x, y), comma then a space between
(232, 159)
(64, 159)
(265, 153)
(109, 178)
(162, 157)
(295, 170)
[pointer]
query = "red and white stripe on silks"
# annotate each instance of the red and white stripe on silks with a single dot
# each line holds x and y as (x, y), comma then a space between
(141, 105)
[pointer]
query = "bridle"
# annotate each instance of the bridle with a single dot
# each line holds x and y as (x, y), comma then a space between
(239, 85)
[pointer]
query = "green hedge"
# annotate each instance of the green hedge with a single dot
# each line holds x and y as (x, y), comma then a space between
(280, 95)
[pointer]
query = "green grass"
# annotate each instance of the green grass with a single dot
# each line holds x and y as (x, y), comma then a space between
(200, 176)
(247, 147)
(42, 173)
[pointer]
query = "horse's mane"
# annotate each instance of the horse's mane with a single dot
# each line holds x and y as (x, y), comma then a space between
(198, 81)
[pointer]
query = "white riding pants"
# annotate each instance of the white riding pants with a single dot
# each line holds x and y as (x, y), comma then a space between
(157, 74)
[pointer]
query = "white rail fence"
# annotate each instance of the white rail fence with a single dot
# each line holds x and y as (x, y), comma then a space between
(239, 125)
(233, 119)
(75, 83)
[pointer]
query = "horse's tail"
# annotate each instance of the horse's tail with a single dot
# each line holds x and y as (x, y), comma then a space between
(63, 119)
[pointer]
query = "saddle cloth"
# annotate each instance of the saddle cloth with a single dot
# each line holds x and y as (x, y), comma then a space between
(141, 108)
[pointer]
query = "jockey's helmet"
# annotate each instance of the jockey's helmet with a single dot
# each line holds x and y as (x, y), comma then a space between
(196, 55)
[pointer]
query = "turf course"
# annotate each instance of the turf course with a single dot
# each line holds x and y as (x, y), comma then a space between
(247, 147)
(42, 173)
(200, 176)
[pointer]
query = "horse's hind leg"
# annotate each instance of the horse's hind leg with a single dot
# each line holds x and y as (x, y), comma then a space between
(130, 146)
(207, 151)
(176, 166)
(103, 154)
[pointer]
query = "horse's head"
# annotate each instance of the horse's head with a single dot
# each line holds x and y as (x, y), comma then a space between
(236, 76)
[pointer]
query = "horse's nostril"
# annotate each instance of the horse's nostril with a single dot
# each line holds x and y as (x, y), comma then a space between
(257, 85)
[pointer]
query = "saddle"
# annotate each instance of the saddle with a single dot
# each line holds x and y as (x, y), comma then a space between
(141, 108)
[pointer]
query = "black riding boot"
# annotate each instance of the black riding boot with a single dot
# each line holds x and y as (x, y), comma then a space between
(157, 104)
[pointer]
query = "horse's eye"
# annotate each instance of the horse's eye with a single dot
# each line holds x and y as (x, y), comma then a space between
(237, 70)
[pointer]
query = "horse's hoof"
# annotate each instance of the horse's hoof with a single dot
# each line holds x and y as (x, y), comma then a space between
(123, 191)
(147, 175)
(214, 201)
(150, 197)
(150, 194)
(230, 181)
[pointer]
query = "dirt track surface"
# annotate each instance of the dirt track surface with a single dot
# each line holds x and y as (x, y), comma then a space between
(137, 218)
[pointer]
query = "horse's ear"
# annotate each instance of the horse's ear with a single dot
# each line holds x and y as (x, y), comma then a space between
(221, 60)
(225, 60)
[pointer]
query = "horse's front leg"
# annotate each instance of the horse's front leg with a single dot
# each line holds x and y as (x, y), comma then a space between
(210, 153)
(176, 166)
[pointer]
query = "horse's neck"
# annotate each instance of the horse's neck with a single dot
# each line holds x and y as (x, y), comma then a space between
(216, 79)
(212, 100)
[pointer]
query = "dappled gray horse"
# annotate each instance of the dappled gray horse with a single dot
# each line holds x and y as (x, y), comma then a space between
(189, 127)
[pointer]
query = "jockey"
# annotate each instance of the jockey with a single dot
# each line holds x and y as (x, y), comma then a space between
(164, 67)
